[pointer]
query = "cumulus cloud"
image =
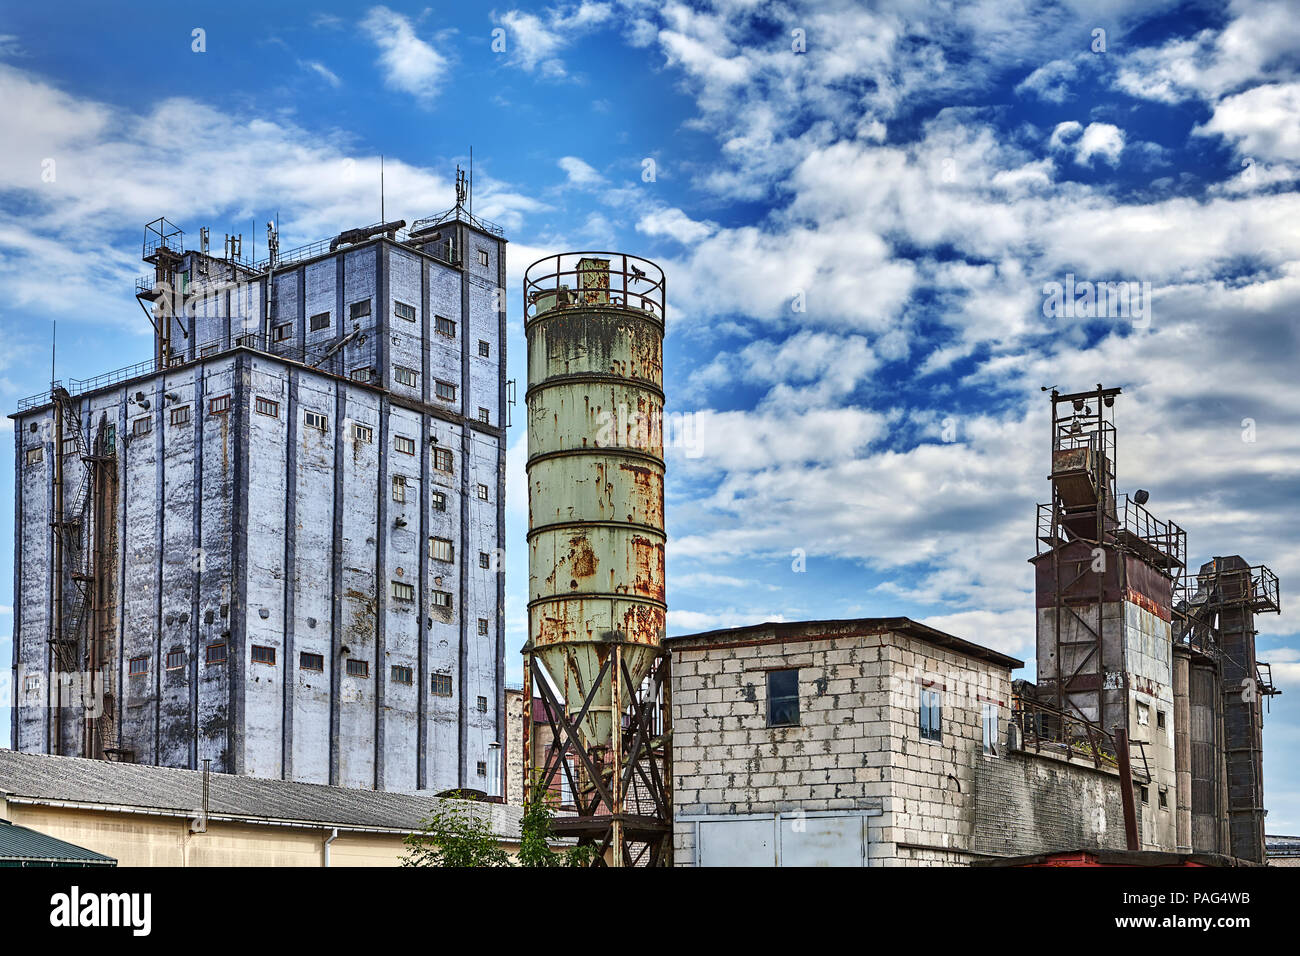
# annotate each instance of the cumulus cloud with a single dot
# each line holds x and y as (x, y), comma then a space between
(579, 173)
(409, 63)
(535, 40)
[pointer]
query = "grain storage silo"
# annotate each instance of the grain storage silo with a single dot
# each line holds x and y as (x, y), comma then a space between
(595, 325)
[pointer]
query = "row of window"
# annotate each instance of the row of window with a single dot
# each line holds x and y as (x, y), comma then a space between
(307, 661)
(401, 483)
(783, 708)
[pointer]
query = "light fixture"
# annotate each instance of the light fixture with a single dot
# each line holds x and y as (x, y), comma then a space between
(1141, 496)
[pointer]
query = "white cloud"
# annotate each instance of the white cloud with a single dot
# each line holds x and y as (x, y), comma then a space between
(410, 64)
(675, 224)
(579, 173)
(1103, 140)
(536, 40)
(1263, 123)
(324, 72)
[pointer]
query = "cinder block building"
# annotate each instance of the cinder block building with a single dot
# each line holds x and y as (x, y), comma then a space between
(834, 743)
(275, 546)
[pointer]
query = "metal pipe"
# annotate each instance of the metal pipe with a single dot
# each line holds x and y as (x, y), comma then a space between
(1126, 789)
(1182, 749)
(334, 835)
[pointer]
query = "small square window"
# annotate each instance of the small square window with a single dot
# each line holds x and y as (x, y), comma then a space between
(484, 348)
(441, 685)
(139, 666)
(284, 333)
(32, 683)
(783, 698)
(263, 654)
(181, 415)
(1143, 715)
(482, 492)
(311, 662)
(219, 405)
(481, 768)
(175, 660)
(1145, 793)
(403, 444)
(439, 501)
(141, 426)
(441, 599)
(399, 488)
(404, 311)
(482, 705)
(482, 257)
(441, 549)
(442, 460)
(405, 376)
(1160, 719)
(445, 391)
(445, 327)
(314, 420)
(362, 433)
(484, 560)
(484, 415)
(482, 627)
(401, 674)
(35, 456)
(403, 591)
(216, 654)
(358, 668)
(1164, 798)
(320, 321)
(359, 309)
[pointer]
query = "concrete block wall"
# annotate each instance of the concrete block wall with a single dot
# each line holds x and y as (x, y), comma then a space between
(858, 745)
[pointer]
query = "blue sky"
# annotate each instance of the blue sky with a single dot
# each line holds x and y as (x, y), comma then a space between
(857, 237)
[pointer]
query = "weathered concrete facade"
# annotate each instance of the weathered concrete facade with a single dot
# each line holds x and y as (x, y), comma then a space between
(271, 517)
(855, 767)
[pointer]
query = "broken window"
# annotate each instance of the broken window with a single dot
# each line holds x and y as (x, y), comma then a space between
(783, 698)
(284, 332)
(484, 560)
(931, 713)
(362, 433)
(482, 705)
(439, 501)
(484, 348)
(360, 374)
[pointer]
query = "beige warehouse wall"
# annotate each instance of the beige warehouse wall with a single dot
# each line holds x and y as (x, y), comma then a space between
(140, 840)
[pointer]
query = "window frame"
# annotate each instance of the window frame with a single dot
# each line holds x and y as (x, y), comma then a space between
(266, 406)
(444, 391)
(137, 431)
(219, 404)
(359, 313)
(268, 656)
(142, 670)
(174, 419)
(440, 685)
(930, 713)
(398, 306)
(304, 666)
(439, 454)
(435, 543)
(404, 444)
(401, 674)
(444, 326)
(362, 432)
(357, 668)
(436, 595)
(168, 665)
(402, 591)
(313, 327)
(774, 700)
(308, 415)
(406, 376)
(208, 657)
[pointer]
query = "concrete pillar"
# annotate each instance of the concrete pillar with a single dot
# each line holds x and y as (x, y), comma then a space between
(1182, 749)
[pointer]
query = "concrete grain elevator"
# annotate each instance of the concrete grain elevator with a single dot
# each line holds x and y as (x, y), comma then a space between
(595, 324)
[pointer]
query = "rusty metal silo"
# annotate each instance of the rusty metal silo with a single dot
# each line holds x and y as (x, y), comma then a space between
(595, 325)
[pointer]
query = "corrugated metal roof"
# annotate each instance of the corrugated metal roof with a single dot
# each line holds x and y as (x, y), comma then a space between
(24, 845)
(45, 778)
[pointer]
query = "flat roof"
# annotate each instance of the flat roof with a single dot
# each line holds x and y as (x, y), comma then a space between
(811, 630)
(125, 787)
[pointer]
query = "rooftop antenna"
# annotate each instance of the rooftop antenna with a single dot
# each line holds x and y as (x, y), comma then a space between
(54, 341)
(381, 188)
(460, 187)
(471, 182)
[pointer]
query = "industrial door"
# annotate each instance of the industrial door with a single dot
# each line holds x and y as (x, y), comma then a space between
(817, 839)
